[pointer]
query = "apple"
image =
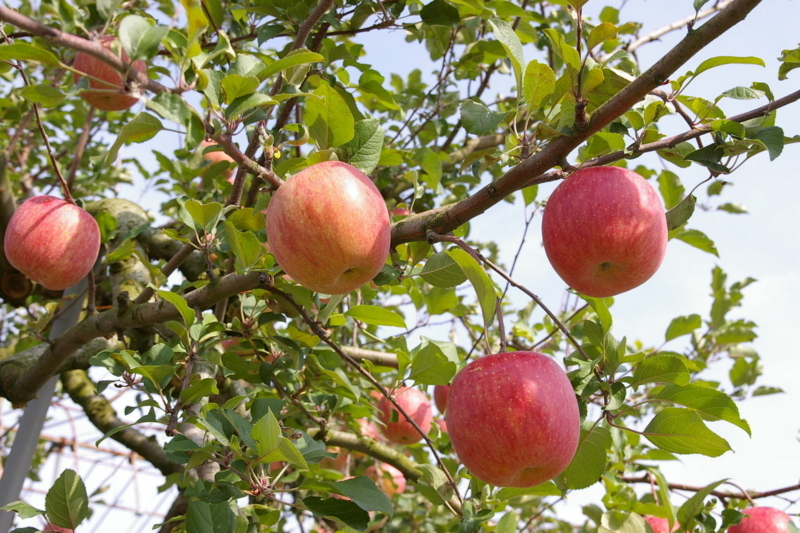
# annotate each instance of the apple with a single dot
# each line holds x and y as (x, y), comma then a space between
(440, 393)
(53, 242)
(513, 418)
(328, 228)
(369, 429)
(388, 478)
(418, 407)
(660, 525)
(102, 98)
(762, 520)
(338, 463)
(604, 231)
(217, 156)
(52, 528)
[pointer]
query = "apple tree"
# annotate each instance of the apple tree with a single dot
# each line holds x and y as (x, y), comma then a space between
(278, 408)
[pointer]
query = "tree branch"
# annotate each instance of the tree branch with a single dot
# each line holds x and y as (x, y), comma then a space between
(718, 493)
(450, 217)
(19, 384)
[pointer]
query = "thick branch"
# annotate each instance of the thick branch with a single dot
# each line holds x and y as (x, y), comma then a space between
(442, 222)
(378, 358)
(92, 48)
(101, 413)
(19, 385)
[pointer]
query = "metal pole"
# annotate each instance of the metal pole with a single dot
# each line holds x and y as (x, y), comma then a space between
(20, 458)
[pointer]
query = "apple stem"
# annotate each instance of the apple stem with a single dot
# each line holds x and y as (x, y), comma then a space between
(435, 237)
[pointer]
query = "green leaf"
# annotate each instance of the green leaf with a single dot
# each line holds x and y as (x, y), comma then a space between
(266, 433)
(548, 488)
(681, 213)
(481, 282)
(236, 86)
(365, 494)
(139, 38)
(727, 60)
(772, 137)
(363, 151)
(621, 522)
(294, 58)
(432, 366)
(790, 60)
(478, 119)
(682, 325)
(601, 33)
(348, 512)
(507, 524)
(141, 128)
(171, 107)
(564, 50)
(538, 83)
(245, 246)
(27, 52)
(247, 103)
(734, 209)
(600, 307)
(199, 389)
(512, 45)
(46, 95)
(661, 369)
(683, 431)
(439, 13)
(743, 93)
(376, 316)
(286, 452)
(328, 118)
(671, 188)
(710, 157)
(711, 404)
(589, 462)
(767, 390)
(204, 215)
(198, 517)
(698, 239)
(663, 493)
(23, 509)
(729, 126)
(694, 505)
(441, 270)
(67, 503)
(180, 304)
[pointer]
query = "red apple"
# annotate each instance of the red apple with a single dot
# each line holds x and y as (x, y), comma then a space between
(604, 231)
(762, 520)
(418, 407)
(513, 418)
(660, 525)
(440, 393)
(388, 478)
(328, 228)
(53, 242)
(369, 429)
(52, 528)
(103, 98)
(217, 156)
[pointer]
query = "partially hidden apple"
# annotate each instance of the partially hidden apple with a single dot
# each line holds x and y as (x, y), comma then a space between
(108, 94)
(217, 156)
(418, 407)
(52, 528)
(388, 478)
(440, 393)
(53, 242)
(604, 231)
(513, 418)
(762, 520)
(328, 228)
(661, 525)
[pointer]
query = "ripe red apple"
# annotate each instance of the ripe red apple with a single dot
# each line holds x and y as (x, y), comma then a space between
(102, 98)
(440, 393)
(762, 520)
(418, 407)
(660, 525)
(217, 156)
(369, 429)
(53, 242)
(328, 228)
(388, 478)
(52, 528)
(513, 418)
(604, 231)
